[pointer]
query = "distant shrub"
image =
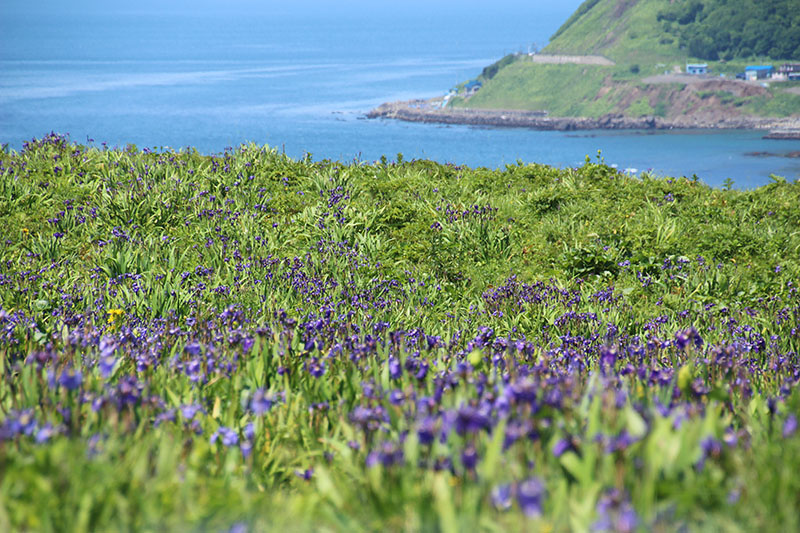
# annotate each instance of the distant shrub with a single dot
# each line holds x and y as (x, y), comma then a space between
(492, 70)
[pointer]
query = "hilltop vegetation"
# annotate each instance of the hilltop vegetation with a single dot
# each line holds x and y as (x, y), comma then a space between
(250, 342)
(630, 31)
(623, 30)
(718, 29)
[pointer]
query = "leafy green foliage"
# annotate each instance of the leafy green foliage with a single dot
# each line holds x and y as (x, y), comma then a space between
(720, 29)
(491, 71)
(205, 280)
(622, 30)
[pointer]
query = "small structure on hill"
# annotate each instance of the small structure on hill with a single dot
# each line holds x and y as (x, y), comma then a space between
(696, 68)
(758, 72)
(472, 87)
(790, 71)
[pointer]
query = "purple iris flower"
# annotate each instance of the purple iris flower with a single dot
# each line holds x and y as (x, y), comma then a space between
(387, 454)
(18, 423)
(396, 397)
(615, 513)
(471, 420)
(608, 356)
(711, 447)
(106, 365)
(427, 430)
(194, 370)
(239, 527)
(45, 433)
(166, 416)
(627, 520)
(246, 448)
(790, 426)
(227, 436)
(501, 497)
(316, 368)
(620, 443)
(395, 369)
(530, 494)
(129, 391)
(70, 379)
(107, 346)
(306, 474)
(189, 411)
(469, 457)
(193, 348)
(681, 340)
(260, 402)
(422, 371)
(561, 447)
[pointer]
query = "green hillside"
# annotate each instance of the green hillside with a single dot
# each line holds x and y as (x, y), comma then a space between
(636, 30)
(623, 30)
(562, 90)
(648, 39)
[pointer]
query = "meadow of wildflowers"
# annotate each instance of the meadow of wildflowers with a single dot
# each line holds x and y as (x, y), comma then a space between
(248, 342)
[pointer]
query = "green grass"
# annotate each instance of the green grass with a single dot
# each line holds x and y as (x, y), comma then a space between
(237, 262)
(562, 90)
(778, 104)
(630, 35)
(641, 108)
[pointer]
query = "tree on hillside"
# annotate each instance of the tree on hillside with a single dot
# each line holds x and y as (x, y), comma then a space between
(727, 29)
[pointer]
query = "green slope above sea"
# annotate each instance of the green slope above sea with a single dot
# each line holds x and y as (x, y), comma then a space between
(646, 45)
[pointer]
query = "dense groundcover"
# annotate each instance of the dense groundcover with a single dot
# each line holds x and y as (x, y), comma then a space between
(249, 342)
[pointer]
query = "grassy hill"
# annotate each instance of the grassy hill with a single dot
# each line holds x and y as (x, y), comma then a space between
(645, 38)
(652, 30)
(626, 31)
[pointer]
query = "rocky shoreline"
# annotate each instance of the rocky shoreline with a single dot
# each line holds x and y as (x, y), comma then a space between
(784, 135)
(430, 111)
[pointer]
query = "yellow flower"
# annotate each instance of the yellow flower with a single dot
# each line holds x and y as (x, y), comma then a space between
(25, 231)
(113, 314)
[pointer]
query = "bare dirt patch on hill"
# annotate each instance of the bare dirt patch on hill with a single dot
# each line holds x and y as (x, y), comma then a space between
(695, 99)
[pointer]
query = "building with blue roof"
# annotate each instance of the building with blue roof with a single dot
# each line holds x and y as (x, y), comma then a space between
(758, 72)
(473, 86)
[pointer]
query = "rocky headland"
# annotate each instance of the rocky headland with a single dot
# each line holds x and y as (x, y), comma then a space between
(431, 111)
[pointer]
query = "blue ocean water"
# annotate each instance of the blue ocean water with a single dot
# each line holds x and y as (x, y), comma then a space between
(301, 80)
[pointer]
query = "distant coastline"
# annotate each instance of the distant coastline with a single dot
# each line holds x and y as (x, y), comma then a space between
(430, 111)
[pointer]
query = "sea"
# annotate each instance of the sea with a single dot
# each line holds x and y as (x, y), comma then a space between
(301, 76)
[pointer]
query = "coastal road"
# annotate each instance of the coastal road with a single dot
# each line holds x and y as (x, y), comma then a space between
(571, 60)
